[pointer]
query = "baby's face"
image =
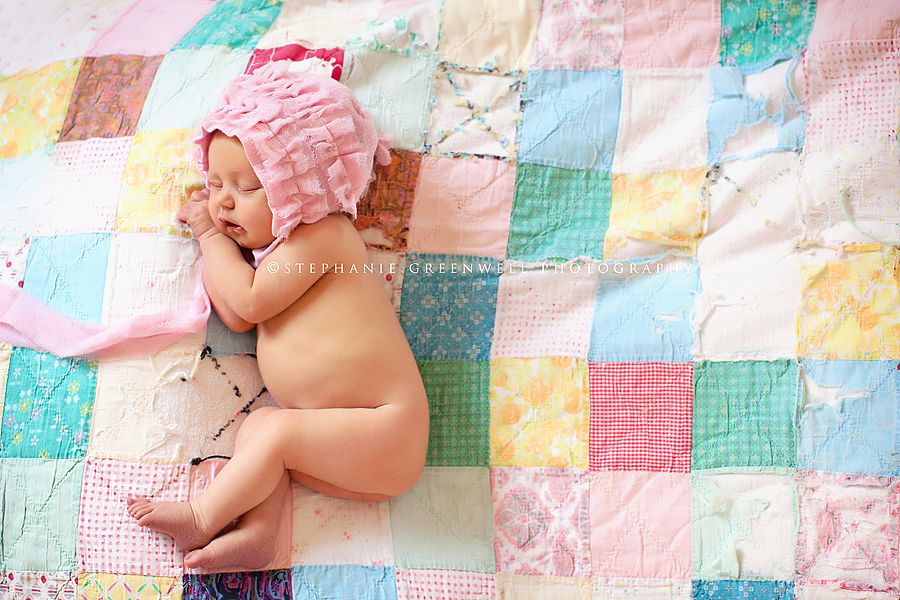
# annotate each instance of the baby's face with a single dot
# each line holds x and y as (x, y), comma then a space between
(237, 201)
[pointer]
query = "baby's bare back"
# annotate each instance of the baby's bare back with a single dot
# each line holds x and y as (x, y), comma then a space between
(340, 344)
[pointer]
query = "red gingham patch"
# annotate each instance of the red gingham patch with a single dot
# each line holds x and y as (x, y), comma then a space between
(109, 540)
(436, 584)
(641, 416)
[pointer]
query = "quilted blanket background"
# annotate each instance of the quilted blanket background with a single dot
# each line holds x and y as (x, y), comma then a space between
(645, 253)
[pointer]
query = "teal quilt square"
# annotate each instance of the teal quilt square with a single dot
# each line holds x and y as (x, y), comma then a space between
(459, 405)
(445, 521)
(558, 214)
(233, 23)
(744, 414)
(40, 501)
(68, 272)
(343, 581)
(757, 33)
(397, 90)
(571, 119)
(448, 305)
(48, 405)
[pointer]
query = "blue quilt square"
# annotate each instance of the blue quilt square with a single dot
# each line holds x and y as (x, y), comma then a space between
(344, 581)
(742, 590)
(844, 402)
(48, 405)
(642, 311)
(571, 119)
(448, 305)
(68, 272)
(558, 214)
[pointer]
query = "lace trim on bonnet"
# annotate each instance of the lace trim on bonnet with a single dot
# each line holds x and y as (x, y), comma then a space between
(306, 136)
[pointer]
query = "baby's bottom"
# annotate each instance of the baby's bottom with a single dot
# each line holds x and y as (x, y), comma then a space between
(354, 453)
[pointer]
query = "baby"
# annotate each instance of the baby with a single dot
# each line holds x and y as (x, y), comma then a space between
(284, 154)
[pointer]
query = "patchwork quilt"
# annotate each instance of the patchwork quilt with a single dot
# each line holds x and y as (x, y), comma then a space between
(645, 253)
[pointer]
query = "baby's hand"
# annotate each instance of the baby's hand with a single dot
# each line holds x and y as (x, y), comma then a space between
(195, 213)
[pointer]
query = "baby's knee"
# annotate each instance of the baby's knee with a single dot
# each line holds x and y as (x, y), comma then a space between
(255, 420)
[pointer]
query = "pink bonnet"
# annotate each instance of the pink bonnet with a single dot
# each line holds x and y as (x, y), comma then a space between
(306, 136)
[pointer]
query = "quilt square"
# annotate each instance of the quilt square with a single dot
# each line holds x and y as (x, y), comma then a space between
(23, 178)
(642, 311)
(849, 532)
(39, 503)
(651, 213)
(463, 206)
(541, 521)
(439, 584)
(474, 113)
(444, 521)
(677, 34)
(259, 585)
(578, 35)
(754, 113)
(756, 33)
(388, 202)
(546, 587)
(342, 581)
(743, 524)
(34, 106)
(492, 34)
(571, 119)
(867, 20)
(845, 401)
(849, 304)
(160, 175)
(109, 540)
(13, 255)
(321, 25)
(408, 28)
(744, 414)
(48, 405)
(38, 585)
(628, 588)
(222, 341)
(544, 310)
(232, 23)
(558, 214)
(168, 20)
(743, 590)
(188, 84)
(81, 189)
(641, 416)
(397, 90)
(662, 127)
(147, 409)
(68, 272)
(640, 524)
(334, 531)
(448, 305)
(749, 268)
(108, 586)
(459, 406)
(108, 98)
(326, 61)
(539, 412)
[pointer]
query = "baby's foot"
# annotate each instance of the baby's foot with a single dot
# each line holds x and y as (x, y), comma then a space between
(177, 519)
(241, 549)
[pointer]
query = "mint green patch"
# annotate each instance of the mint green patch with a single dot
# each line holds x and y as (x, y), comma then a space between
(445, 521)
(459, 405)
(232, 23)
(757, 33)
(40, 503)
(744, 414)
(558, 214)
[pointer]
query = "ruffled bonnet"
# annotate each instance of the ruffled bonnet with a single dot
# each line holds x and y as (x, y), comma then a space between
(306, 137)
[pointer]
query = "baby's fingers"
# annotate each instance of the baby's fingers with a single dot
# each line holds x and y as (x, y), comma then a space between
(200, 196)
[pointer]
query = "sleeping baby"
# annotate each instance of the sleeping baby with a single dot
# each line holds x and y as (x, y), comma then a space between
(286, 157)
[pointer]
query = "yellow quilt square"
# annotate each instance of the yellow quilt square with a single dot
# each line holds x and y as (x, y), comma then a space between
(107, 586)
(540, 412)
(489, 34)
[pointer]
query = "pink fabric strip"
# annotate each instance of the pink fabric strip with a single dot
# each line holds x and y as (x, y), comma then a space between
(27, 321)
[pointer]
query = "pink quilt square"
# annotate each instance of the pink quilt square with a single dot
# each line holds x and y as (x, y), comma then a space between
(462, 206)
(541, 521)
(440, 584)
(150, 27)
(641, 416)
(544, 310)
(641, 524)
(579, 35)
(860, 20)
(849, 534)
(108, 539)
(672, 34)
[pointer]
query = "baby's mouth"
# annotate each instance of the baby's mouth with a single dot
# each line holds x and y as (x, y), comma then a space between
(230, 226)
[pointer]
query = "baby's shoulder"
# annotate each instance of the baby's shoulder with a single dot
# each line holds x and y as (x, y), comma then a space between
(331, 237)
